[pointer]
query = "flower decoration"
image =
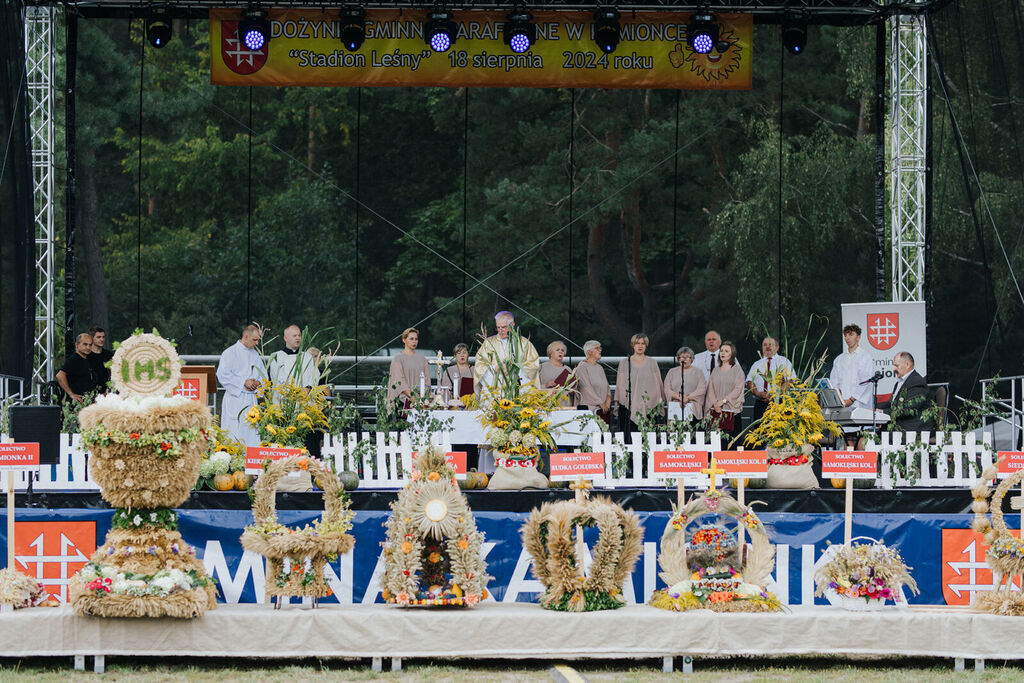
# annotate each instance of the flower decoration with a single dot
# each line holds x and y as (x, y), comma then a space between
(872, 571)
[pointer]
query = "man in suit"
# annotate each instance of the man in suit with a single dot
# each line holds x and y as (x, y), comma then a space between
(910, 398)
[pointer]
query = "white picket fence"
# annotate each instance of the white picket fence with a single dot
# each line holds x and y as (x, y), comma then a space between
(386, 459)
(962, 457)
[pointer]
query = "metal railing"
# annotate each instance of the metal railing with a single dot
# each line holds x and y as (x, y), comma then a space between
(1009, 393)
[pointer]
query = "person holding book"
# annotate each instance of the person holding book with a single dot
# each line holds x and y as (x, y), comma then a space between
(555, 375)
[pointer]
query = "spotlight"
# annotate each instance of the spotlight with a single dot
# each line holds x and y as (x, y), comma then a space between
(254, 29)
(606, 29)
(158, 28)
(440, 31)
(519, 31)
(794, 35)
(702, 33)
(353, 28)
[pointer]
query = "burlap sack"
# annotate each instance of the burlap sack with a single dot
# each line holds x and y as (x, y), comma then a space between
(295, 482)
(792, 477)
(515, 478)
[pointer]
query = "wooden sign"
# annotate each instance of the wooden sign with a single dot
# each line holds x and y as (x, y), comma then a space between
(679, 463)
(256, 455)
(849, 464)
(1010, 462)
(576, 466)
(19, 456)
(456, 460)
(743, 463)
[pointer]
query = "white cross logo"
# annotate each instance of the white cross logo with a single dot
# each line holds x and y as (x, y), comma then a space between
(240, 53)
(972, 565)
(64, 559)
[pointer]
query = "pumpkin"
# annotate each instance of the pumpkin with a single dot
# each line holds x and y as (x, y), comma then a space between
(757, 483)
(349, 479)
(481, 480)
(736, 483)
(839, 483)
(223, 482)
(241, 480)
(467, 482)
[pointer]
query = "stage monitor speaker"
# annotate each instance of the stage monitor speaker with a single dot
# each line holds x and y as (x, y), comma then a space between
(38, 424)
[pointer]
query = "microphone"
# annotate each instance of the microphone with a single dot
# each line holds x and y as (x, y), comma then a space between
(877, 376)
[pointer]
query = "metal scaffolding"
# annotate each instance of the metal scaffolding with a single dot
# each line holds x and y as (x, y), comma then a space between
(40, 46)
(908, 87)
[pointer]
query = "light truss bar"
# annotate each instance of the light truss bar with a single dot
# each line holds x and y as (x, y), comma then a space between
(908, 86)
(40, 45)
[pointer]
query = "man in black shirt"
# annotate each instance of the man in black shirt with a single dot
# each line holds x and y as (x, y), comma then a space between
(99, 356)
(76, 377)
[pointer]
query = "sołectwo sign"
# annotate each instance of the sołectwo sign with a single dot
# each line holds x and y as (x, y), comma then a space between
(305, 49)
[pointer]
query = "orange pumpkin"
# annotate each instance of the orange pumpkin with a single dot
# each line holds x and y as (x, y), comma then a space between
(736, 483)
(223, 482)
(839, 483)
(481, 480)
(241, 480)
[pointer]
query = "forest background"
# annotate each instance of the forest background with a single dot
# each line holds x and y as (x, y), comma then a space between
(589, 213)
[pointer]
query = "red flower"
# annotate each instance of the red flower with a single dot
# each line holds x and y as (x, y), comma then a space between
(135, 435)
(165, 446)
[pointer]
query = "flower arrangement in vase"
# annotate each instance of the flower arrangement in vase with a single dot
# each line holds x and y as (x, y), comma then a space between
(863, 576)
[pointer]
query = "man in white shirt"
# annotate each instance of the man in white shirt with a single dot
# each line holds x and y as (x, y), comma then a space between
(852, 367)
(708, 360)
(291, 363)
(771, 366)
(241, 372)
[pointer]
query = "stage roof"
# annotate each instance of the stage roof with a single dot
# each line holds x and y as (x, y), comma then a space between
(837, 12)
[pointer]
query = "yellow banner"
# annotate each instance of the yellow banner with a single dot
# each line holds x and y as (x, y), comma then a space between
(305, 49)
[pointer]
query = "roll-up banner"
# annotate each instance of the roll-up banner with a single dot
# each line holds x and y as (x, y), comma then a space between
(305, 49)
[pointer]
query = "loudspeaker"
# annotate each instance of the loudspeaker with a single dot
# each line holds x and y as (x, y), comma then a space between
(38, 424)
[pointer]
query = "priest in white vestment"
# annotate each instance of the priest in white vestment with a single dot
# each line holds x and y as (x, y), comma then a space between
(290, 363)
(241, 372)
(496, 349)
(852, 367)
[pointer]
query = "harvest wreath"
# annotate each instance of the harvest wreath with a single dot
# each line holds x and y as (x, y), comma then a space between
(432, 553)
(1005, 555)
(548, 536)
(714, 574)
(296, 557)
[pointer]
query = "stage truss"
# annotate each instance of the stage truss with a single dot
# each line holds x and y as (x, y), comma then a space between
(906, 120)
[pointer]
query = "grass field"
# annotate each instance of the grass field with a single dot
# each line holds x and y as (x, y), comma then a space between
(733, 669)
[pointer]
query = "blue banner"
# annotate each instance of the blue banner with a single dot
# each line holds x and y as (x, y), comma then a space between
(946, 557)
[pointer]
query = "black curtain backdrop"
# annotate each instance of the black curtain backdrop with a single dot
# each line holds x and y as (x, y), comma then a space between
(17, 275)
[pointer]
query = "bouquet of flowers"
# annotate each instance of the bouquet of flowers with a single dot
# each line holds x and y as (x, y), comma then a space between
(518, 427)
(286, 414)
(225, 456)
(872, 571)
(793, 418)
(20, 590)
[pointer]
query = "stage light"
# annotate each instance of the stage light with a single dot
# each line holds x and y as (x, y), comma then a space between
(254, 29)
(794, 35)
(519, 31)
(353, 28)
(606, 29)
(440, 31)
(158, 28)
(702, 33)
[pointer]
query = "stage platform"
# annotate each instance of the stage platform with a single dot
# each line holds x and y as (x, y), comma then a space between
(513, 631)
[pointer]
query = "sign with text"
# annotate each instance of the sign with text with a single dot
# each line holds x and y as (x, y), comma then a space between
(1010, 462)
(256, 455)
(19, 456)
(849, 464)
(573, 466)
(887, 328)
(743, 463)
(305, 49)
(457, 461)
(679, 463)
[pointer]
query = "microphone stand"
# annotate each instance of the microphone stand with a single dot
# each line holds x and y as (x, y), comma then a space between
(874, 400)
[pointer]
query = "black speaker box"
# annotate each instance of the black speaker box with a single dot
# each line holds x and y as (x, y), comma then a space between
(38, 424)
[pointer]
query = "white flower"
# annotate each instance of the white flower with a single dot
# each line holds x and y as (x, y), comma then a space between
(152, 516)
(120, 584)
(221, 461)
(179, 578)
(164, 584)
(137, 520)
(108, 572)
(529, 440)
(515, 437)
(119, 464)
(88, 573)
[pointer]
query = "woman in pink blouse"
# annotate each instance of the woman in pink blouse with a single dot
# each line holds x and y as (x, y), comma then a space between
(724, 397)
